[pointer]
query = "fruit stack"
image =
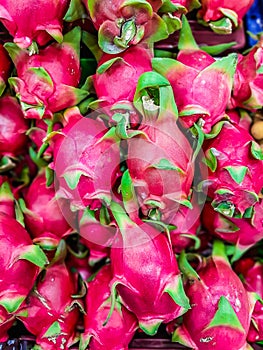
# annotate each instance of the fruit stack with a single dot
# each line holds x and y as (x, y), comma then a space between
(130, 177)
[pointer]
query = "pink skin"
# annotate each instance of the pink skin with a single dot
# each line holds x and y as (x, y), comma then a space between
(166, 187)
(234, 230)
(252, 273)
(51, 94)
(45, 221)
(13, 127)
(33, 21)
(217, 280)
(5, 65)
(248, 83)
(127, 71)
(210, 10)
(145, 283)
(121, 326)
(51, 301)
(18, 274)
(233, 148)
(94, 152)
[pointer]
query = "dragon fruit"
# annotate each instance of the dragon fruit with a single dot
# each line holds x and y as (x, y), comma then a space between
(223, 16)
(113, 69)
(125, 23)
(121, 326)
(86, 174)
(45, 84)
(251, 271)
(201, 84)
(235, 167)
(235, 230)
(145, 272)
(248, 78)
(160, 158)
(39, 21)
(5, 67)
(51, 310)
(21, 262)
(13, 127)
(43, 217)
(220, 311)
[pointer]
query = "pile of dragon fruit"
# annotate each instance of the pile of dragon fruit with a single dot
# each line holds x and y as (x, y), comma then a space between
(130, 177)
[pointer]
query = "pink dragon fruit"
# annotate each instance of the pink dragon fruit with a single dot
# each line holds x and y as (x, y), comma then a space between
(235, 230)
(21, 262)
(43, 217)
(223, 16)
(13, 127)
(45, 84)
(201, 84)
(248, 80)
(51, 311)
(235, 170)
(220, 311)
(145, 273)
(5, 66)
(160, 158)
(39, 21)
(252, 274)
(122, 324)
(125, 23)
(113, 69)
(86, 174)
(97, 233)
